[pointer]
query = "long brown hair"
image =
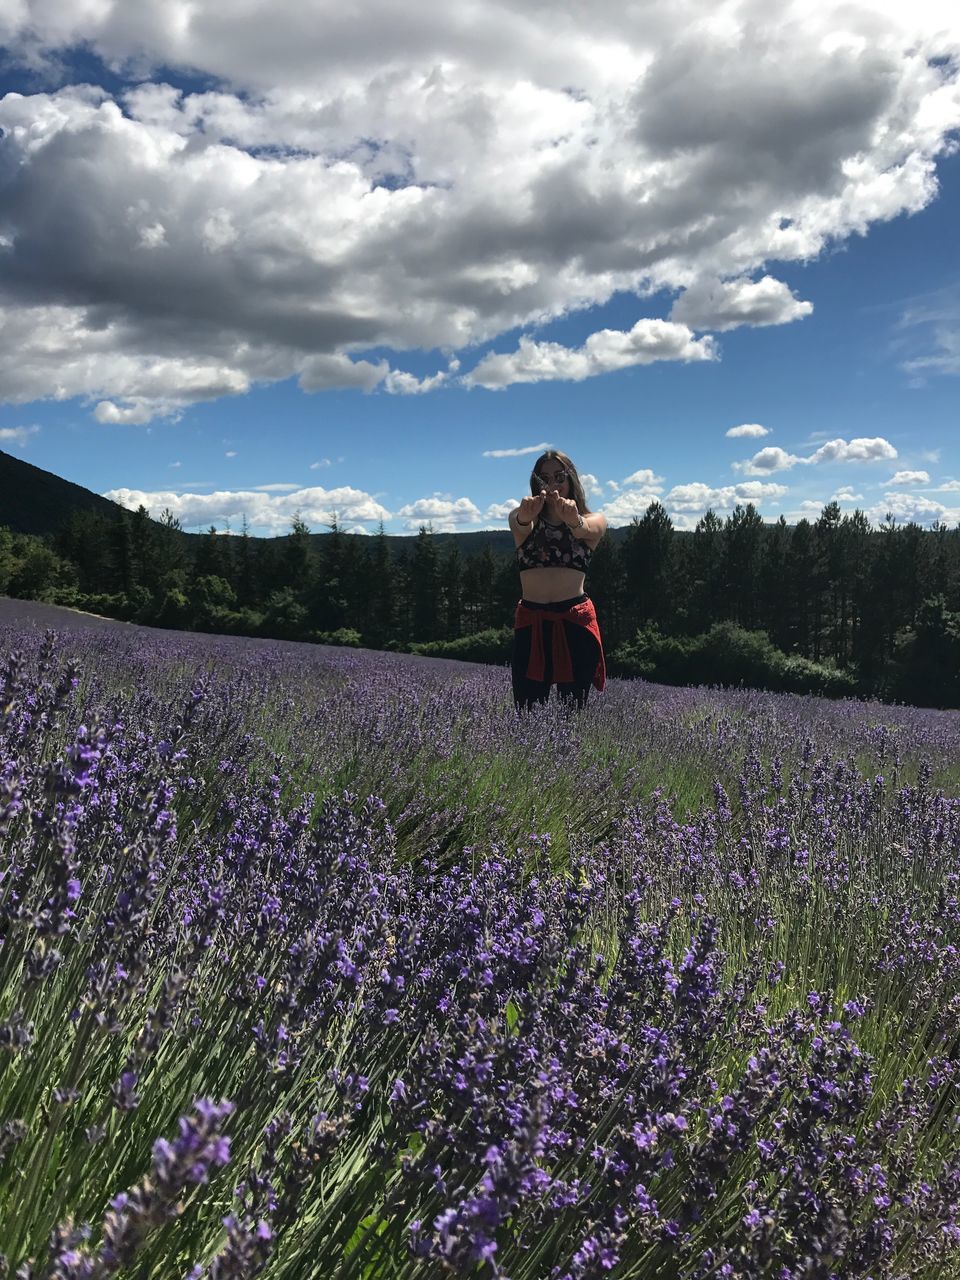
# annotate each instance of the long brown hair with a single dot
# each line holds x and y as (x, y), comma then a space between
(576, 486)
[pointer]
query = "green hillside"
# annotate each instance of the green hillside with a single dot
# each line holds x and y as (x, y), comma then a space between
(36, 501)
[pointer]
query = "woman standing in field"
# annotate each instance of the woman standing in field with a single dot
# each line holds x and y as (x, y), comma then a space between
(556, 639)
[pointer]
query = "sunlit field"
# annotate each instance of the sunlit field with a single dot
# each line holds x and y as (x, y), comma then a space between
(322, 963)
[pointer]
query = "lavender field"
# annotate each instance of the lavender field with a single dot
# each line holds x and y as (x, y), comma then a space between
(321, 963)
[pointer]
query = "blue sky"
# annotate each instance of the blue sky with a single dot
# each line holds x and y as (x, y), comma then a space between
(247, 271)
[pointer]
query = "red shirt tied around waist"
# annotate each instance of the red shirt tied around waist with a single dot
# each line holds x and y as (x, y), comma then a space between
(582, 614)
(556, 639)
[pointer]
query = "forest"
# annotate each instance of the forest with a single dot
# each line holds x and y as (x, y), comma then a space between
(833, 606)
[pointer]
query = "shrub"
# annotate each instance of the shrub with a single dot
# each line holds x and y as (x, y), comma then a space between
(726, 655)
(343, 637)
(492, 646)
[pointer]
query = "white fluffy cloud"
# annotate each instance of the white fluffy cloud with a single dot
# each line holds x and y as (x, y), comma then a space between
(399, 383)
(862, 449)
(846, 494)
(603, 352)
(377, 177)
(772, 458)
(685, 503)
(443, 513)
(910, 477)
(698, 497)
(646, 479)
(750, 430)
(497, 512)
(912, 506)
(265, 508)
(591, 485)
(721, 305)
(622, 508)
(632, 496)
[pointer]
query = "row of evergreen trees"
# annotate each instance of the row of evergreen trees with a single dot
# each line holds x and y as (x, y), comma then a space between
(879, 604)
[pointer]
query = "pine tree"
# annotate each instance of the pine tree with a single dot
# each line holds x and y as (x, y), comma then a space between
(801, 575)
(324, 589)
(647, 559)
(707, 601)
(294, 563)
(378, 623)
(451, 593)
(742, 553)
(604, 587)
(425, 587)
(245, 584)
(774, 608)
(123, 576)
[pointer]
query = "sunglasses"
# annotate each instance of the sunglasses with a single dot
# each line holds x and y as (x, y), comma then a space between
(546, 481)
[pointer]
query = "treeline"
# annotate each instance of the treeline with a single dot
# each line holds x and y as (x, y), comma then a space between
(832, 605)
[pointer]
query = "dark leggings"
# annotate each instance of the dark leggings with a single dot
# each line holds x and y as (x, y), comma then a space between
(584, 653)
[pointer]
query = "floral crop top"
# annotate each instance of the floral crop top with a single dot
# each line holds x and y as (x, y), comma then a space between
(552, 546)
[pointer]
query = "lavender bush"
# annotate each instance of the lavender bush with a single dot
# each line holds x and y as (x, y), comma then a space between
(324, 964)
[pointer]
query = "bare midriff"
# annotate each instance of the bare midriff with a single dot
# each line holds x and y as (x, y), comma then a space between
(544, 586)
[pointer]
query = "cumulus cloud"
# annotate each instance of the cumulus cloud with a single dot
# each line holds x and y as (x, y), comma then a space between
(645, 478)
(698, 496)
(845, 494)
(748, 429)
(443, 513)
(910, 477)
(18, 435)
(772, 458)
(949, 486)
(137, 411)
(861, 449)
(518, 453)
(914, 507)
(337, 372)
(422, 177)
(603, 352)
(685, 503)
(591, 485)
(499, 511)
(264, 509)
(631, 497)
(399, 383)
(625, 506)
(721, 305)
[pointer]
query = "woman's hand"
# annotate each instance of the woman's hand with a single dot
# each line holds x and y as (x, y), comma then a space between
(530, 508)
(568, 511)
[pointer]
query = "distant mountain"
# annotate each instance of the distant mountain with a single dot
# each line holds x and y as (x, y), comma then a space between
(36, 501)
